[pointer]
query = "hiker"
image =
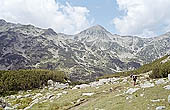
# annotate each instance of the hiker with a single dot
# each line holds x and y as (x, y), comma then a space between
(134, 78)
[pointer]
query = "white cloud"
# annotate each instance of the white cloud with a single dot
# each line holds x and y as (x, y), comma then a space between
(46, 14)
(143, 17)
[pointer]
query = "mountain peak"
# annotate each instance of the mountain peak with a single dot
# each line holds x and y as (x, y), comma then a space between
(97, 27)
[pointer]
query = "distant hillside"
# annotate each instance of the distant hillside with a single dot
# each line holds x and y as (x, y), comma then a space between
(158, 69)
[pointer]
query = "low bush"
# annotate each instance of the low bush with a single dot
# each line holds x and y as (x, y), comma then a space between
(161, 71)
(27, 79)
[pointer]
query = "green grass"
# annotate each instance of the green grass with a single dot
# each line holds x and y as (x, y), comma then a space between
(110, 102)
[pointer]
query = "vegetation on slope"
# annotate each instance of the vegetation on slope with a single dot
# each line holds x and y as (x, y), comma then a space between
(159, 70)
(27, 79)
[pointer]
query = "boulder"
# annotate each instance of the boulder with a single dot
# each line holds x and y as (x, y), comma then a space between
(96, 84)
(50, 83)
(3, 104)
(29, 90)
(16, 105)
(141, 95)
(104, 81)
(160, 81)
(51, 88)
(167, 87)
(160, 107)
(12, 97)
(59, 94)
(8, 108)
(169, 99)
(98, 109)
(158, 100)
(27, 95)
(32, 103)
(114, 80)
(87, 94)
(35, 101)
(129, 97)
(104, 91)
(50, 96)
(19, 96)
(65, 92)
(124, 81)
(37, 95)
(59, 85)
(131, 90)
(147, 85)
(81, 86)
(169, 77)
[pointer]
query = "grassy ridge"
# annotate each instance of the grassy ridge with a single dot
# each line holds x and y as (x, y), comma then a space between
(27, 79)
(158, 69)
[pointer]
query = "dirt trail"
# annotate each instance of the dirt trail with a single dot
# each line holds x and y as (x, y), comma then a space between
(84, 103)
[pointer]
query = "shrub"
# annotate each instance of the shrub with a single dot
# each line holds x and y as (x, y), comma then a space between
(27, 79)
(161, 70)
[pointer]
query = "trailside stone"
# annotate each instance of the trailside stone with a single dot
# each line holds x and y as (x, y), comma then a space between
(16, 105)
(8, 108)
(50, 96)
(160, 81)
(158, 100)
(114, 80)
(50, 83)
(129, 97)
(87, 94)
(27, 95)
(50, 88)
(96, 84)
(131, 90)
(124, 80)
(98, 109)
(3, 104)
(104, 81)
(59, 94)
(169, 99)
(160, 107)
(81, 86)
(12, 97)
(37, 95)
(19, 96)
(32, 103)
(59, 85)
(169, 77)
(141, 95)
(167, 87)
(147, 85)
(65, 92)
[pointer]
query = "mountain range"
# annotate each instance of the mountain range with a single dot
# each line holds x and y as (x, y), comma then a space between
(83, 56)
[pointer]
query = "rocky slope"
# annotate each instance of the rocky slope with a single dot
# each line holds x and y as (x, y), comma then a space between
(84, 56)
(105, 94)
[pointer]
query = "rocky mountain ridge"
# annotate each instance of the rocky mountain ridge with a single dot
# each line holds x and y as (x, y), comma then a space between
(84, 56)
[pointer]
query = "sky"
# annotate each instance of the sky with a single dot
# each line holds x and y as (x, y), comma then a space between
(145, 18)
